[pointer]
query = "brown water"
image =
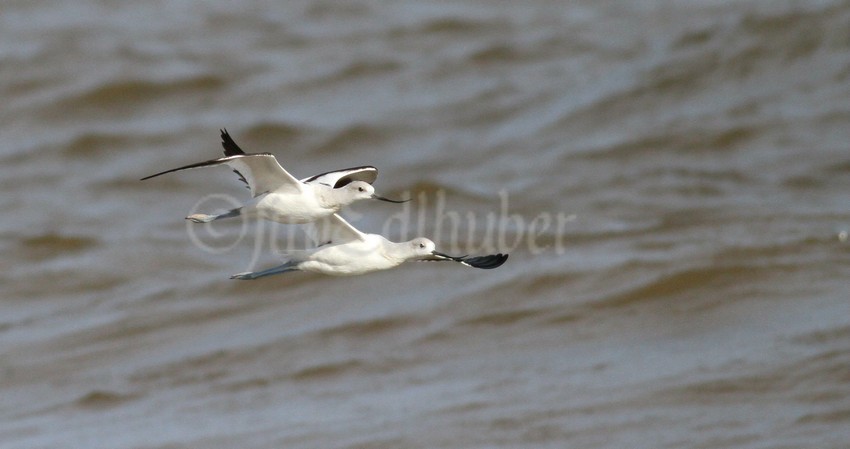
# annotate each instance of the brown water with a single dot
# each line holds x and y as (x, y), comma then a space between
(684, 286)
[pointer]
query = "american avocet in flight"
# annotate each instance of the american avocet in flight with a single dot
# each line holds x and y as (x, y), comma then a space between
(342, 250)
(278, 196)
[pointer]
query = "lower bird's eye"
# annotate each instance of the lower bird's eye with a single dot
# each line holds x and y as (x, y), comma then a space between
(422, 245)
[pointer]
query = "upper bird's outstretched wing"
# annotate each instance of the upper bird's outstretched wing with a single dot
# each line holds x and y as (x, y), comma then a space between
(333, 229)
(483, 262)
(263, 173)
(338, 178)
(260, 171)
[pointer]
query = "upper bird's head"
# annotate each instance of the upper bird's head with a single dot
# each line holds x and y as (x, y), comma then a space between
(360, 190)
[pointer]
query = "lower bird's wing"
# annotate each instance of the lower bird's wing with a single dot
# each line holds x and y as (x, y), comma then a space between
(333, 229)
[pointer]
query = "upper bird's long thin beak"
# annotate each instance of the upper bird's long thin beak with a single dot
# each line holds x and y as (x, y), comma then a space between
(376, 197)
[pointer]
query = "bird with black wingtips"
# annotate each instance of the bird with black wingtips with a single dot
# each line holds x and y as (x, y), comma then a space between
(279, 196)
(342, 250)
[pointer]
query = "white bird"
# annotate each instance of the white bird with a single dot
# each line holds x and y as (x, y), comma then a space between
(278, 196)
(342, 250)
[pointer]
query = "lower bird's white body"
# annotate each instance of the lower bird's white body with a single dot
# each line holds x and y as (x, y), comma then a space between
(342, 250)
(353, 258)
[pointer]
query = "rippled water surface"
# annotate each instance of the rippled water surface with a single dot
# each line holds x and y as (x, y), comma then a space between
(670, 178)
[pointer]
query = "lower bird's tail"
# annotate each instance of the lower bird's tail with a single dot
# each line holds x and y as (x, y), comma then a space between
(251, 275)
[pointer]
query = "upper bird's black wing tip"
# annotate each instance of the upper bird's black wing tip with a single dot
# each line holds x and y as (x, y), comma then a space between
(230, 147)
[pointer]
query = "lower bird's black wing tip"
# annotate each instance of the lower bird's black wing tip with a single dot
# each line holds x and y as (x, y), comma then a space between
(485, 262)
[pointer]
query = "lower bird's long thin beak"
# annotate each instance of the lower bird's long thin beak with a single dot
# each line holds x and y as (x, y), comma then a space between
(483, 262)
(446, 256)
(376, 197)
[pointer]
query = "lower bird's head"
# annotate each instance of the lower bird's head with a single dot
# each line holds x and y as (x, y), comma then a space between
(422, 247)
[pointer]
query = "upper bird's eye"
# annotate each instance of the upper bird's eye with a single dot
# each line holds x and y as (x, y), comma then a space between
(422, 245)
(360, 189)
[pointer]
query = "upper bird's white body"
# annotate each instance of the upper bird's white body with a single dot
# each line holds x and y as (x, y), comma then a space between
(280, 197)
(309, 203)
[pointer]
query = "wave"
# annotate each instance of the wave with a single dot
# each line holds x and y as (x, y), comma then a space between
(825, 336)
(452, 26)
(328, 370)
(752, 41)
(821, 176)
(127, 96)
(276, 134)
(372, 328)
(50, 245)
(102, 399)
(502, 317)
(745, 53)
(797, 380)
(348, 73)
(352, 137)
(92, 144)
(689, 287)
